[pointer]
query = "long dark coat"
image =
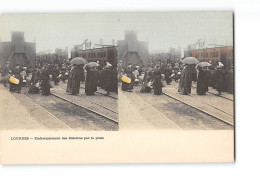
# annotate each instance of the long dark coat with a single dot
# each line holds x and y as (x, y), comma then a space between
(219, 79)
(55, 74)
(74, 79)
(110, 80)
(157, 83)
(45, 82)
(167, 74)
(230, 78)
(202, 83)
(186, 80)
(91, 82)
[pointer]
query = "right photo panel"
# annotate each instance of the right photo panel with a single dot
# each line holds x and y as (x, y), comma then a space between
(175, 71)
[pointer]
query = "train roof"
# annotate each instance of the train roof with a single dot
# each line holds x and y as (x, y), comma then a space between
(230, 47)
(96, 48)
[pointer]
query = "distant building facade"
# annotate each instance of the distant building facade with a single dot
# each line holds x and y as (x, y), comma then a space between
(132, 51)
(175, 53)
(17, 51)
(59, 56)
(102, 54)
(222, 54)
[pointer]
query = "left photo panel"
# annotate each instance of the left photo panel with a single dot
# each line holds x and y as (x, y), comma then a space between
(58, 72)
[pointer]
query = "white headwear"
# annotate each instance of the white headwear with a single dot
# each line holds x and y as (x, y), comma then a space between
(220, 64)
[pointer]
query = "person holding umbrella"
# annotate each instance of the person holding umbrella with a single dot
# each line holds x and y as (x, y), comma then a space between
(75, 75)
(91, 78)
(109, 77)
(202, 83)
(186, 75)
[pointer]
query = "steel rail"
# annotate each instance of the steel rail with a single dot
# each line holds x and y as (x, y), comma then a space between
(91, 110)
(198, 109)
(216, 94)
(102, 94)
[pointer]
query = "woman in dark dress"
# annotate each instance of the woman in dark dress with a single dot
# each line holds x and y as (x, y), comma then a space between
(202, 83)
(108, 79)
(157, 82)
(74, 79)
(230, 78)
(186, 80)
(45, 82)
(168, 73)
(91, 81)
(219, 79)
(55, 74)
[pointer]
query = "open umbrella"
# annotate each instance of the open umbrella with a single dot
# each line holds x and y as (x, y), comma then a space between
(190, 60)
(203, 64)
(91, 64)
(78, 61)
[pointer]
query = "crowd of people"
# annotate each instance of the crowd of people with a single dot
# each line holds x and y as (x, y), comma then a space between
(44, 76)
(156, 73)
(152, 77)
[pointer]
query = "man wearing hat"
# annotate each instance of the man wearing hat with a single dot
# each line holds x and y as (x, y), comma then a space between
(219, 78)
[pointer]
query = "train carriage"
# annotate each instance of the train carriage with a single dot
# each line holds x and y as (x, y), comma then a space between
(104, 54)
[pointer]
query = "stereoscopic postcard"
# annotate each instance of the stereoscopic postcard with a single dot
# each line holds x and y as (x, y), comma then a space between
(117, 87)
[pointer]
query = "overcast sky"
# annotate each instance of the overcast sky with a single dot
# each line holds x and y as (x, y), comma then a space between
(161, 30)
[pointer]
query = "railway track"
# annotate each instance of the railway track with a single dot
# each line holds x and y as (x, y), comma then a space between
(89, 109)
(103, 94)
(99, 103)
(203, 111)
(216, 94)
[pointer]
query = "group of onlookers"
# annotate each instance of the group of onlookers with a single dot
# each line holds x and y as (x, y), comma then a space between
(44, 76)
(153, 76)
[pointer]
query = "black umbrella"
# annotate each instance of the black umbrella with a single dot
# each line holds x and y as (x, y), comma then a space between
(190, 60)
(78, 61)
(203, 64)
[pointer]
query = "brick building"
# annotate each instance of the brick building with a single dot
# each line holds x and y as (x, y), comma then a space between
(222, 54)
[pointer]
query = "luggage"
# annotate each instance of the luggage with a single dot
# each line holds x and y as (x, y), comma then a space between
(13, 80)
(125, 79)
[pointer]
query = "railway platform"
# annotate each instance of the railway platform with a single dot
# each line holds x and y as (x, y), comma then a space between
(57, 112)
(171, 110)
(14, 114)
